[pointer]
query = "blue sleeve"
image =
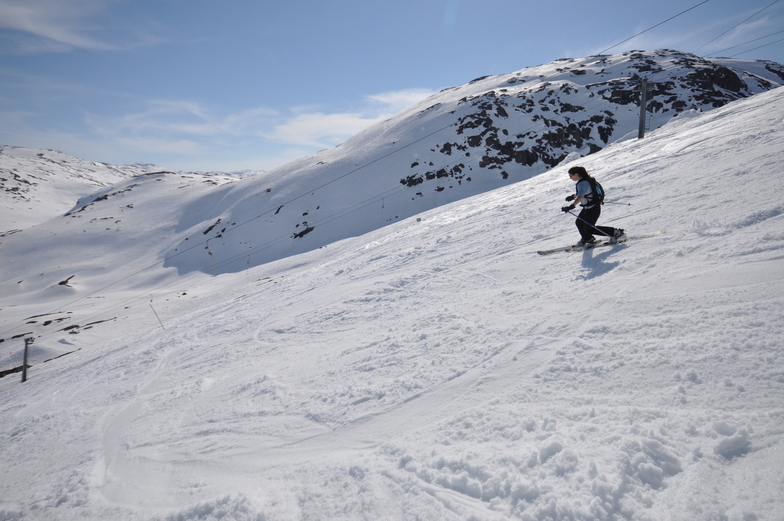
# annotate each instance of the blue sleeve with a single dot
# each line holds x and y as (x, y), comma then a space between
(583, 188)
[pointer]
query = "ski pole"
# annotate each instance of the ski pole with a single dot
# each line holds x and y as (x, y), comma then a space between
(622, 204)
(589, 224)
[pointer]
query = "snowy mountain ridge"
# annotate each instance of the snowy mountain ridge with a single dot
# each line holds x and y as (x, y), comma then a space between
(489, 133)
(460, 142)
(36, 185)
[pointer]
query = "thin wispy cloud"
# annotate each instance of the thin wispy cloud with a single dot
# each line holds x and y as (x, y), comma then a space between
(319, 129)
(166, 118)
(395, 101)
(173, 120)
(57, 25)
(195, 132)
(450, 17)
(36, 26)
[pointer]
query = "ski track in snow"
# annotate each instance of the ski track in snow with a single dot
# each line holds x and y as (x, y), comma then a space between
(441, 369)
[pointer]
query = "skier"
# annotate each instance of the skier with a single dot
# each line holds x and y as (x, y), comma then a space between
(590, 209)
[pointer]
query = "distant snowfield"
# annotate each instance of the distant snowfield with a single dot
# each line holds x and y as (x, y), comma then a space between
(436, 368)
(46, 183)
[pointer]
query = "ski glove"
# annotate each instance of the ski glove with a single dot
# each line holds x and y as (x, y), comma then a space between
(571, 197)
(567, 209)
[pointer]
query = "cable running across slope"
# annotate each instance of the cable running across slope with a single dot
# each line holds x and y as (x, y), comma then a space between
(734, 26)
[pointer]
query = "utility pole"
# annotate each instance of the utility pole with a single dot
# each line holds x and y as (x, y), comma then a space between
(28, 341)
(643, 103)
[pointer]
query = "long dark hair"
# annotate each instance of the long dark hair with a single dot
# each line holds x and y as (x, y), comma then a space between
(581, 171)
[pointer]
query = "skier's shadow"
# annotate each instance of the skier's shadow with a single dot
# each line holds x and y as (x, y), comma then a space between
(595, 261)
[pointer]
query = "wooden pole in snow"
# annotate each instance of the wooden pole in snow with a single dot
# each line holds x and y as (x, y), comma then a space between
(643, 103)
(28, 341)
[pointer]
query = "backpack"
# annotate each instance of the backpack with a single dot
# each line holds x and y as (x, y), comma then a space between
(597, 192)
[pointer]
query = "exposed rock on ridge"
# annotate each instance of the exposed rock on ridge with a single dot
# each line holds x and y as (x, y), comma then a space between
(534, 118)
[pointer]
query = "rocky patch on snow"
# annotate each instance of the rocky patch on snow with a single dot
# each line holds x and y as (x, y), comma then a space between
(536, 117)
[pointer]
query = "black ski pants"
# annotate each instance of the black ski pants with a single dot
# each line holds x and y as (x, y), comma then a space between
(586, 223)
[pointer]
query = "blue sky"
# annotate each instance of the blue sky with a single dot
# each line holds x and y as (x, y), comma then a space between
(239, 84)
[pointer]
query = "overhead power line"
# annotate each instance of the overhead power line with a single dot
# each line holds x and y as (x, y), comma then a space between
(755, 48)
(748, 42)
(655, 26)
(734, 26)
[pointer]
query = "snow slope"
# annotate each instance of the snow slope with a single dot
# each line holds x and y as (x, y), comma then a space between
(436, 368)
(463, 141)
(36, 185)
(466, 140)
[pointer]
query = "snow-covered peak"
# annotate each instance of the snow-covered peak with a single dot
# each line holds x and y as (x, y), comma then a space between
(36, 185)
(488, 133)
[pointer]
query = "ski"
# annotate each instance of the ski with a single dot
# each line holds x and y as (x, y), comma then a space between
(597, 244)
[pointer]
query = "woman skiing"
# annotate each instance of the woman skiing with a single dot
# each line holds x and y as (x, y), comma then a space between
(591, 208)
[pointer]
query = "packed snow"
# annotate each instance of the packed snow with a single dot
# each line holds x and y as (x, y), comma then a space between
(434, 368)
